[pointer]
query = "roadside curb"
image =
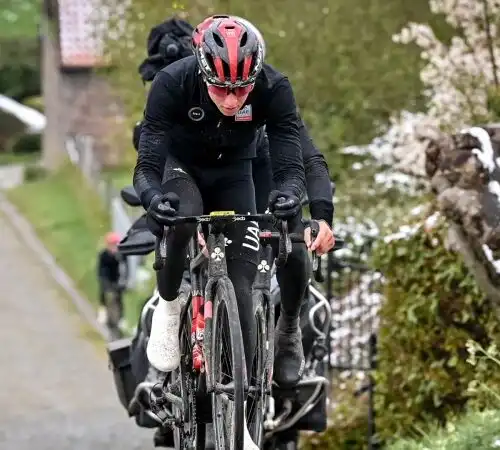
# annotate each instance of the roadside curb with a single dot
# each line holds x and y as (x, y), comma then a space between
(25, 230)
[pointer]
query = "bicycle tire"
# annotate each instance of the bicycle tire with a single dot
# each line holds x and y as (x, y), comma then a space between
(195, 439)
(260, 374)
(227, 437)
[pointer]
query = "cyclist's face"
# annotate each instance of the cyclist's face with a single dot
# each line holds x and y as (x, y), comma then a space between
(228, 101)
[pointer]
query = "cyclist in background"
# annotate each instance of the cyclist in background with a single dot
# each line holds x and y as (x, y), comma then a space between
(112, 273)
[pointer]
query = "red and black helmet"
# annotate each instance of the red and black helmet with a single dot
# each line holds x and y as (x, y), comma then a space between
(229, 51)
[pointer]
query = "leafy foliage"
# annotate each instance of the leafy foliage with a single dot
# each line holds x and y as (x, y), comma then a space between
(348, 79)
(20, 68)
(19, 18)
(477, 430)
(27, 143)
(433, 307)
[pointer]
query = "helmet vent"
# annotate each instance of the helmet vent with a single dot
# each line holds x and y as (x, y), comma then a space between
(218, 40)
(244, 39)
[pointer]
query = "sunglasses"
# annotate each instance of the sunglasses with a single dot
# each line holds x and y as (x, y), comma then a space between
(223, 91)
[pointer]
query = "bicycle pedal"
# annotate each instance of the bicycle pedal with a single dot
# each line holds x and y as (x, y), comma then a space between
(175, 387)
(158, 404)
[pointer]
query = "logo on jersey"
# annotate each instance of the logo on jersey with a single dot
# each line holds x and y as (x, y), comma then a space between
(251, 239)
(196, 114)
(244, 114)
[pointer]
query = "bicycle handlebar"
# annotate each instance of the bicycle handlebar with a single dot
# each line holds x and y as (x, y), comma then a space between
(285, 239)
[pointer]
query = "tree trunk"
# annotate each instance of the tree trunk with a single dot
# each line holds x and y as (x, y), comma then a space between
(53, 139)
(464, 174)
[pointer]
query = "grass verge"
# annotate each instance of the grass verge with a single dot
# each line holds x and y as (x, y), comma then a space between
(69, 218)
(7, 158)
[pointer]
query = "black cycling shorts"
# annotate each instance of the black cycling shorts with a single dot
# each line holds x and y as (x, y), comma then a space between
(218, 188)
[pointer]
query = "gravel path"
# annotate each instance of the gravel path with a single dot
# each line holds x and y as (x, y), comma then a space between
(56, 391)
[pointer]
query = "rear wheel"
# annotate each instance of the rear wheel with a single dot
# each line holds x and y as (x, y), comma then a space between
(228, 370)
(189, 434)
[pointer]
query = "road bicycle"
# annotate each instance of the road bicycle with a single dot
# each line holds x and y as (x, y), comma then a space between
(283, 412)
(212, 368)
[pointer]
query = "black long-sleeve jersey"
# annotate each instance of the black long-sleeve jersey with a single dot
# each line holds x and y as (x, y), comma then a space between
(319, 189)
(180, 119)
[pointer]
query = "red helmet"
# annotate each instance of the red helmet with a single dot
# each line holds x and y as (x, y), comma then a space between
(229, 51)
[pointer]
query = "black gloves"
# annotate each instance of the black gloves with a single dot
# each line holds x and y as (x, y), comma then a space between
(161, 209)
(284, 205)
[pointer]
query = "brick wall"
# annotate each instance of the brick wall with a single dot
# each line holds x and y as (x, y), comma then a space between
(90, 108)
(81, 101)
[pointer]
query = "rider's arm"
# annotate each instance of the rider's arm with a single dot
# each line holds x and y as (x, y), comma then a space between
(284, 142)
(319, 189)
(262, 173)
(158, 120)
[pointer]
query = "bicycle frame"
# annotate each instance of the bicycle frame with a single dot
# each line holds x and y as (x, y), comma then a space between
(201, 299)
(197, 259)
(201, 305)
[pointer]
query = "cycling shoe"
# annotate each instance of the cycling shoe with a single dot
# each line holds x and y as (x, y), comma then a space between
(289, 361)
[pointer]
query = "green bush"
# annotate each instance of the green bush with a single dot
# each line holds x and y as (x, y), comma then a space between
(27, 143)
(432, 308)
(478, 431)
(20, 64)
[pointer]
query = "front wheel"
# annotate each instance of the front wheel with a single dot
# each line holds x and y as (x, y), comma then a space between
(227, 363)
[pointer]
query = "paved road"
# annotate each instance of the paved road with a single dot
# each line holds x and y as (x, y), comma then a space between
(56, 391)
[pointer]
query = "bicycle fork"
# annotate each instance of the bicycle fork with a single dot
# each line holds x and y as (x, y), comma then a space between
(199, 308)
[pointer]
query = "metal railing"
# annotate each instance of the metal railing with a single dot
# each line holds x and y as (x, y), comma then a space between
(354, 290)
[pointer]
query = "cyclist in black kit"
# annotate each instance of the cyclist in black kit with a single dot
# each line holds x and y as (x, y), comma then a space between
(196, 148)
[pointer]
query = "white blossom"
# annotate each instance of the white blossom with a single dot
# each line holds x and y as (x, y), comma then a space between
(457, 76)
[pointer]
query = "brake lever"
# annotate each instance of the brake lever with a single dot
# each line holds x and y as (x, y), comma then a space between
(314, 225)
(285, 244)
(161, 245)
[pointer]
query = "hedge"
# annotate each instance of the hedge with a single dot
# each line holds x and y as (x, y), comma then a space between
(432, 308)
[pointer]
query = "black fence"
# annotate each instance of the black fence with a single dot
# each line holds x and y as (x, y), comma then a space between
(354, 291)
